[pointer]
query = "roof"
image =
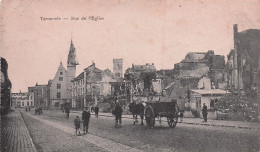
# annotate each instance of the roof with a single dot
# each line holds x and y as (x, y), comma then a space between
(79, 77)
(169, 85)
(211, 91)
(72, 55)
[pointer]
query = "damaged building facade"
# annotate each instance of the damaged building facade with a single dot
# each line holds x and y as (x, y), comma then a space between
(242, 61)
(140, 79)
(198, 71)
(92, 86)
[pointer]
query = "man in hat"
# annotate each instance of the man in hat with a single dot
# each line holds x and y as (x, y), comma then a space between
(118, 114)
(85, 119)
(205, 112)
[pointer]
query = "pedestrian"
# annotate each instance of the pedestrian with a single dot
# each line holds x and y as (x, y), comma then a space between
(29, 108)
(92, 109)
(96, 111)
(77, 125)
(25, 108)
(181, 115)
(67, 111)
(85, 119)
(118, 115)
(205, 112)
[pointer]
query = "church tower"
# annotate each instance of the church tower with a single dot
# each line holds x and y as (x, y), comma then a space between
(118, 67)
(71, 63)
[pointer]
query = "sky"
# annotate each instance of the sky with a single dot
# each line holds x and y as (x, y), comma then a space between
(139, 31)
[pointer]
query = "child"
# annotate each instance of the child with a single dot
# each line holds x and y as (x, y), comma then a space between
(77, 124)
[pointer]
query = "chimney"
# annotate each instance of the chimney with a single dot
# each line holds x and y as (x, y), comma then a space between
(235, 29)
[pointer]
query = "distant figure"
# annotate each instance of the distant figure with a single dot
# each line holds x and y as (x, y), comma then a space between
(181, 115)
(96, 111)
(92, 108)
(85, 119)
(118, 114)
(77, 125)
(205, 112)
(67, 111)
(29, 108)
(25, 108)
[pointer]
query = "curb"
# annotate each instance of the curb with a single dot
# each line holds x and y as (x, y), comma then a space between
(27, 132)
(213, 125)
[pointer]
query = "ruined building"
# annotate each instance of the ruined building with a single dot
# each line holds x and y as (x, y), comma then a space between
(202, 64)
(243, 60)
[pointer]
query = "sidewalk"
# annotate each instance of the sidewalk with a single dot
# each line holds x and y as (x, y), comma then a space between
(198, 121)
(14, 134)
(103, 143)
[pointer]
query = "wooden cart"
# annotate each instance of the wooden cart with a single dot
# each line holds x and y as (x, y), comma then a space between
(161, 109)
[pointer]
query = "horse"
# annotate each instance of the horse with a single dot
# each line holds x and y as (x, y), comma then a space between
(137, 109)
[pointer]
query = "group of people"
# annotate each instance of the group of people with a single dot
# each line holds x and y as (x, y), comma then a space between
(117, 112)
(85, 119)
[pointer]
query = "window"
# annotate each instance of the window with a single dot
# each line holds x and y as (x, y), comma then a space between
(31, 103)
(198, 101)
(22, 103)
(27, 103)
(61, 73)
(212, 102)
(58, 95)
(60, 78)
(58, 86)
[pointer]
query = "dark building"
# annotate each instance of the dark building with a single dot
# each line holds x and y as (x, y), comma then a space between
(243, 60)
(41, 96)
(6, 88)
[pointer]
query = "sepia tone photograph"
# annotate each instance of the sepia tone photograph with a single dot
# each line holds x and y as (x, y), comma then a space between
(130, 75)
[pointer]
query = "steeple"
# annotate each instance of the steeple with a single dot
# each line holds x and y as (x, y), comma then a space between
(72, 60)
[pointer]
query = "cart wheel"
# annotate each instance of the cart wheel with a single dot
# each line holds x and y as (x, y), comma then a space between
(149, 116)
(172, 121)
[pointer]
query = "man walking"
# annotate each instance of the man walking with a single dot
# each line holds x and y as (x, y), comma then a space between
(205, 112)
(118, 114)
(96, 111)
(85, 119)
(67, 111)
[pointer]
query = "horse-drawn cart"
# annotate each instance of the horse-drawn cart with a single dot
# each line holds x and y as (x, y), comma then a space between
(161, 109)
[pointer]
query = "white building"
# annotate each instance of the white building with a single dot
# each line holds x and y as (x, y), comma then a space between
(209, 96)
(27, 100)
(60, 86)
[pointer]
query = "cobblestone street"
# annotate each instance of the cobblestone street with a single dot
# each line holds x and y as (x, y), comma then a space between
(14, 134)
(56, 132)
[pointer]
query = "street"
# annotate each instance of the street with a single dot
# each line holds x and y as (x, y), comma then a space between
(161, 138)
